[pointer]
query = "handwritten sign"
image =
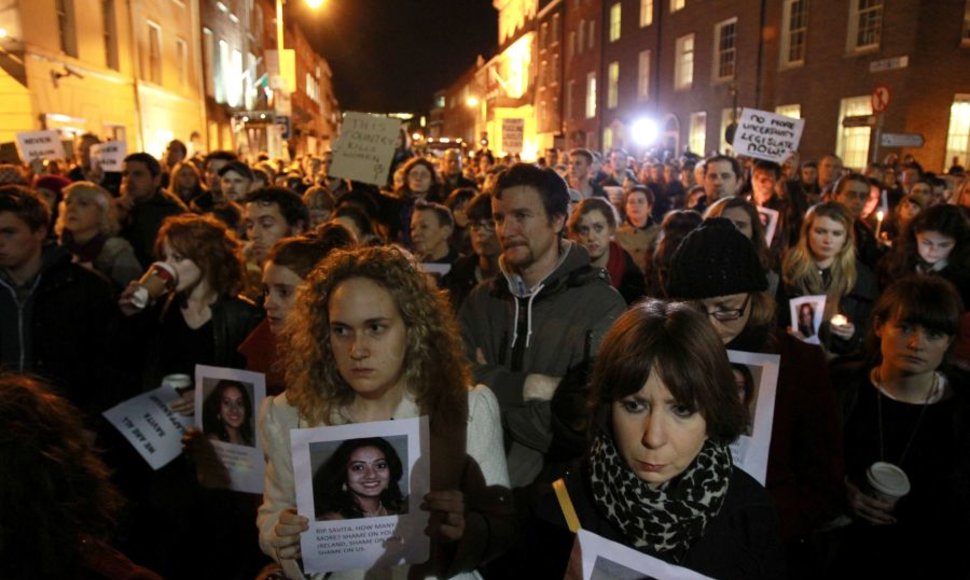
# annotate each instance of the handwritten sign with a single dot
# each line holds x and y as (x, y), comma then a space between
(109, 155)
(40, 145)
(153, 429)
(365, 148)
(513, 132)
(765, 135)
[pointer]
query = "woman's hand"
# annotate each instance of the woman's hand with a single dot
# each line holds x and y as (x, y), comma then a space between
(128, 307)
(844, 331)
(447, 509)
(185, 404)
(286, 544)
(874, 511)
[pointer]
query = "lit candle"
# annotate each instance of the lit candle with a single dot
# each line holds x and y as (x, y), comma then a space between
(839, 320)
(879, 216)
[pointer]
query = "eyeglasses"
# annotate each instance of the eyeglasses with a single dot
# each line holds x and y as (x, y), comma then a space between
(486, 225)
(733, 314)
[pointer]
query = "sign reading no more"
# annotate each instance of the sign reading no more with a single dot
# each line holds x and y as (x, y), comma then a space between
(765, 135)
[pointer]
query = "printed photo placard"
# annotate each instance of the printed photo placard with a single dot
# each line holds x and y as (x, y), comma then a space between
(756, 376)
(806, 317)
(604, 559)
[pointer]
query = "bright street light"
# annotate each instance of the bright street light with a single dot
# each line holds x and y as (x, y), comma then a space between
(472, 102)
(645, 132)
(314, 4)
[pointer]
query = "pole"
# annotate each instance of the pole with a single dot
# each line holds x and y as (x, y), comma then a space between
(279, 35)
(874, 158)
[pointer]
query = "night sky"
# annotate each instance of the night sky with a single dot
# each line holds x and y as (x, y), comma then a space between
(392, 55)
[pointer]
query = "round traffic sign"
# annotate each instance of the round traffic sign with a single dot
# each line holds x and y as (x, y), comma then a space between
(880, 99)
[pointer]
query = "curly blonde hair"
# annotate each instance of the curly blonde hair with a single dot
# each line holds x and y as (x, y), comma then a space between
(798, 267)
(92, 192)
(436, 370)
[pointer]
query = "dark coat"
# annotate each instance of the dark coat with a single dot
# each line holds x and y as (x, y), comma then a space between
(144, 220)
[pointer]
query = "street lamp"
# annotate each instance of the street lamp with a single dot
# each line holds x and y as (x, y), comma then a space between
(472, 102)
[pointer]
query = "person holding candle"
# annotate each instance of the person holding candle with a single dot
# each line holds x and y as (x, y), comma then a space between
(824, 262)
(906, 406)
(895, 224)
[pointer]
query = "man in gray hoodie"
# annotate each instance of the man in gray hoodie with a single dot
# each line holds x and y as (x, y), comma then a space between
(545, 315)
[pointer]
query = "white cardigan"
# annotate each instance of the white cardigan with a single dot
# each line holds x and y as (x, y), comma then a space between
(277, 417)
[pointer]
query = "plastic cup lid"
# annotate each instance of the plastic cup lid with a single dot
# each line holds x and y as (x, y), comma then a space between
(889, 479)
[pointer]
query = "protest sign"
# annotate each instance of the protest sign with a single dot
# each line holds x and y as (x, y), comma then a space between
(109, 155)
(40, 145)
(372, 519)
(756, 376)
(604, 559)
(365, 148)
(513, 132)
(153, 429)
(226, 401)
(765, 135)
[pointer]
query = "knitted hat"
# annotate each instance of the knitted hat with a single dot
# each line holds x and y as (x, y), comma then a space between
(53, 183)
(715, 260)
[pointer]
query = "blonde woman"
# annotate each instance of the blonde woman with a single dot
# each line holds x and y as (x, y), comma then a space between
(824, 262)
(87, 227)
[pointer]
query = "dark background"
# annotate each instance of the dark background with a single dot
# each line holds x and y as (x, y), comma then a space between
(392, 55)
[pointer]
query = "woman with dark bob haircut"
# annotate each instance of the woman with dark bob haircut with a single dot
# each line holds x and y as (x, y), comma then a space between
(906, 406)
(336, 495)
(659, 477)
(59, 507)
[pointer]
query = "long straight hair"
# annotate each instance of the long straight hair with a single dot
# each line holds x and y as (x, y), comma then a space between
(798, 268)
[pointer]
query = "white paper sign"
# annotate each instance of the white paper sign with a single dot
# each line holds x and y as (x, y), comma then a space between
(806, 317)
(110, 155)
(513, 133)
(765, 135)
(225, 404)
(365, 148)
(153, 429)
(769, 219)
(756, 376)
(604, 559)
(39, 145)
(361, 486)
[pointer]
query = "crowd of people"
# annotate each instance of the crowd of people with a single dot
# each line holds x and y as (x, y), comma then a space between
(563, 324)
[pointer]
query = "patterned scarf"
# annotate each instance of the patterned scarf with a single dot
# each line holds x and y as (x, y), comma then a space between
(666, 520)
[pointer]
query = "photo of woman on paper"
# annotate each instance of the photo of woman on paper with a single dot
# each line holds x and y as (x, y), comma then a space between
(227, 414)
(806, 320)
(360, 480)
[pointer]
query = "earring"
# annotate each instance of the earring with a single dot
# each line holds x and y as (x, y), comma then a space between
(343, 487)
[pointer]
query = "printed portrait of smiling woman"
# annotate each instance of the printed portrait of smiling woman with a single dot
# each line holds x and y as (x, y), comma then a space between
(360, 480)
(227, 414)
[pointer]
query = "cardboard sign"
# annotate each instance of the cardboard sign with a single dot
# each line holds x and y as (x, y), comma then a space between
(365, 148)
(344, 534)
(153, 429)
(513, 132)
(110, 155)
(40, 145)
(768, 136)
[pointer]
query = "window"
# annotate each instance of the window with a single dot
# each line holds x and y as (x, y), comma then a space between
(965, 37)
(208, 56)
(543, 73)
(643, 76)
(182, 60)
(570, 98)
(684, 65)
(958, 136)
(110, 34)
(607, 138)
(865, 25)
(554, 71)
(794, 32)
(571, 51)
(727, 117)
(582, 37)
(65, 26)
(612, 84)
(591, 95)
(696, 139)
(646, 13)
(590, 34)
(555, 28)
(676, 5)
(725, 49)
(793, 111)
(853, 142)
(221, 70)
(616, 15)
(152, 69)
(544, 35)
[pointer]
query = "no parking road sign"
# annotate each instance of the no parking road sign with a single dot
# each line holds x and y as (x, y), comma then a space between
(880, 99)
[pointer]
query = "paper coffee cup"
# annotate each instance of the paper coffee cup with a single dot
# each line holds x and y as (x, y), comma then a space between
(156, 281)
(179, 382)
(887, 481)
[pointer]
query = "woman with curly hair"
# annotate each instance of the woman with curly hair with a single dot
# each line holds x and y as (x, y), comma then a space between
(360, 480)
(88, 228)
(59, 507)
(421, 182)
(824, 262)
(370, 340)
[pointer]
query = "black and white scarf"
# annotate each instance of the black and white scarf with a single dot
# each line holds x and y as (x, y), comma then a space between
(668, 519)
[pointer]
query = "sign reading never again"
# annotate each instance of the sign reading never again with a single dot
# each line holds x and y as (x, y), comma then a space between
(365, 148)
(768, 136)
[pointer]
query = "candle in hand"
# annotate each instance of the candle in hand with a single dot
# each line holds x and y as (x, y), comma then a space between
(839, 320)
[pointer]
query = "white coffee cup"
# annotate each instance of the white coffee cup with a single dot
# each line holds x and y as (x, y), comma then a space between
(887, 482)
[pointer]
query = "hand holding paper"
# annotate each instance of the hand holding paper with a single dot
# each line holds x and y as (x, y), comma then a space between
(447, 514)
(288, 530)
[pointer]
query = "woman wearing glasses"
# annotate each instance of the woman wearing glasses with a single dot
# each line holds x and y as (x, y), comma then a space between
(717, 267)
(482, 262)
